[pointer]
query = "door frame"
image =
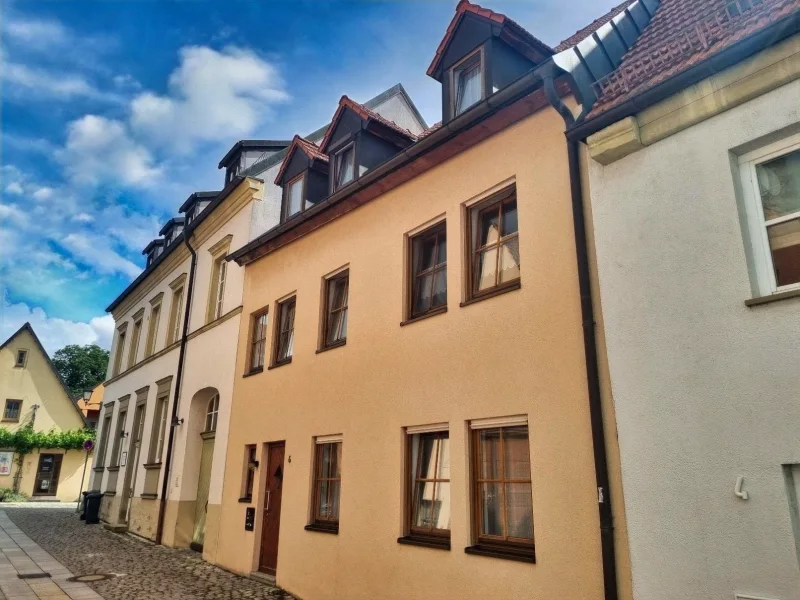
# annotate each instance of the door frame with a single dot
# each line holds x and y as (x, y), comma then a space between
(265, 452)
(135, 438)
(55, 471)
(204, 437)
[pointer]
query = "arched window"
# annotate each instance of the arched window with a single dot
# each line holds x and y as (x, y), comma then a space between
(211, 413)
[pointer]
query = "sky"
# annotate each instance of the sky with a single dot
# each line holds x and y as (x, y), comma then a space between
(114, 112)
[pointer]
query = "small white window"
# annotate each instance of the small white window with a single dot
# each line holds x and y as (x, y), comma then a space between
(344, 167)
(771, 188)
(467, 82)
(211, 413)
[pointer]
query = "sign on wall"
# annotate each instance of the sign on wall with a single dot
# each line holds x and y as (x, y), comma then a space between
(6, 458)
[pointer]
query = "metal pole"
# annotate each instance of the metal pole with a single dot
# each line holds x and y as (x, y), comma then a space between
(85, 462)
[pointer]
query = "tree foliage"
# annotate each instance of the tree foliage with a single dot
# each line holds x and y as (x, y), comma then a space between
(25, 439)
(81, 367)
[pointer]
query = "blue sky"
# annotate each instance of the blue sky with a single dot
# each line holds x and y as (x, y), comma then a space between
(114, 112)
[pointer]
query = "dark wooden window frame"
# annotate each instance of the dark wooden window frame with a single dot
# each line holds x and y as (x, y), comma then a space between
(436, 229)
(279, 332)
(21, 364)
(285, 197)
(485, 544)
(459, 67)
(336, 154)
(330, 525)
(6, 418)
(250, 466)
(494, 202)
(327, 312)
(255, 342)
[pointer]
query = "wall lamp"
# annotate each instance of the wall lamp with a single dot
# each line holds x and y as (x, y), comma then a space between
(176, 421)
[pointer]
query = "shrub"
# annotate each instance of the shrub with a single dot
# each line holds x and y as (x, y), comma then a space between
(9, 495)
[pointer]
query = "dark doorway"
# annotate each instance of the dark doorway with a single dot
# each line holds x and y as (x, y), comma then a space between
(47, 475)
(273, 487)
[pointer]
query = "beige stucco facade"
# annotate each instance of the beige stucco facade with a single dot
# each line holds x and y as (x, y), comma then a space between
(46, 404)
(519, 353)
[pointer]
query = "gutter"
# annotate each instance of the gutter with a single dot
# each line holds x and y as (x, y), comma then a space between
(177, 395)
(733, 54)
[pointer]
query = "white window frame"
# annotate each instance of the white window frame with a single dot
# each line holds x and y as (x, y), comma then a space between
(754, 213)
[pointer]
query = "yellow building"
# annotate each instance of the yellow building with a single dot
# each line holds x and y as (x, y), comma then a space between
(412, 416)
(33, 394)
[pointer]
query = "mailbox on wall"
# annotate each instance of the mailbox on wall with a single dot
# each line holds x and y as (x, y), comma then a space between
(249, 518)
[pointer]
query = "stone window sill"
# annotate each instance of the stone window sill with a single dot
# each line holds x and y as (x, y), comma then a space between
(334, 529)
(152, 466)
(280, 364)
(772, 298)
(252, 372)
(503, 289)
(149, 496)
(332, 346)
(246, 500)
(527, 556)
(438, 544)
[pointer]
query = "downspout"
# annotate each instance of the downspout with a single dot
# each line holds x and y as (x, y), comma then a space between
(177, 395)
(590, 352)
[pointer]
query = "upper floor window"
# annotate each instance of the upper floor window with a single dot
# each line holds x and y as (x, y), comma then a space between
(12, 410)
(284, 336)
(428, 271)
(258, 345)
(102, 439)
(120, 348)
(152, 327)
(344, 166)
(22, 358)
(159, 428)
(116, 451)
(467, 82)
(771, 186)
(335, 317)
(212, 411)
(217, 291)
(176, 308)
(494, 261)
(135, 336)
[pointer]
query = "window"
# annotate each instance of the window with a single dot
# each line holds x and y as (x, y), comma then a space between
(22, 358)
(175, 315)
(467, 82)
(771, 186)
(494, 261)
(120, 348)
(137, 333)
(428, 271)
(293, 193)
(120, 433)
(327, 483)
(284, 338)
(212, 411)
(152, 328)
(159, 428)
(250, 466)
(103, 439)
(344, 166)
(217, 295)
(335, 317)
(429, 486)
(259, 342)
(12, 411)
(501, 477)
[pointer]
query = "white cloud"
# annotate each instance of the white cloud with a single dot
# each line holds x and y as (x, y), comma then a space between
(83, 218)
(43, 193)
(36, 31)
(100, 149)
(96, 251)
(214, 95)
(24, 82)
(10, 213)
(14, 188)
(126, 82)
(55, 333)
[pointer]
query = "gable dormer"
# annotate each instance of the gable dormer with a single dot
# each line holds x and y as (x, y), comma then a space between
(482, 52)
(358, 140)
(153, 250)
(195, 204)
(172, 229)
(245, 153)
(303, 177)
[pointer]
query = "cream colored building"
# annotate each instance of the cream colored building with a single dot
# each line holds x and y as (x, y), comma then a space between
(34, 395)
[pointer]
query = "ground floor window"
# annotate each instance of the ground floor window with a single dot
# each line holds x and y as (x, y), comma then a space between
(327, 483)
(429, 486)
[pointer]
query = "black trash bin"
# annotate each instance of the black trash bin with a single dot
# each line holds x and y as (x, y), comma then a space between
(82, 500)
(91, 507)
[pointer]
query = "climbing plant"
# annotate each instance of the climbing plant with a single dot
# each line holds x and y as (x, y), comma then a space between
(25, 439)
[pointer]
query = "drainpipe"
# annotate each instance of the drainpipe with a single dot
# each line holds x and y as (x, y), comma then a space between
(178, 378)
(590, 352)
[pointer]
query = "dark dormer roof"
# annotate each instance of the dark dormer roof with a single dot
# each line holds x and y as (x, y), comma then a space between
(172, 223)
(582, 34)
(510, 32)
(366, 114)
(196, 197)
(262, 145)
(152, 245)
(310, 149)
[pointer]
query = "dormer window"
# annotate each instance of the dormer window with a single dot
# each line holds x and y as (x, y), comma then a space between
(293, 192)
(467, 77)
(344, 165)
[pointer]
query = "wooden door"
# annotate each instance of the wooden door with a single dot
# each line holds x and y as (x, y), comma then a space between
(131, 463)
(270, 527)
(203, 485)
(47, 474)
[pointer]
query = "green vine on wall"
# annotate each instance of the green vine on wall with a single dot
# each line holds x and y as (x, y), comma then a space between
(25, 439)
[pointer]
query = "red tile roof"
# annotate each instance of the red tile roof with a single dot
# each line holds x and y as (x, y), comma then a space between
(309, 148)
(365, 113)
(681, 34)
(516, 35)
(430, 130)
(582, 34)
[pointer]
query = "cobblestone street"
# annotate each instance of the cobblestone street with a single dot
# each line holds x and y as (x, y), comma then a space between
(142, 571)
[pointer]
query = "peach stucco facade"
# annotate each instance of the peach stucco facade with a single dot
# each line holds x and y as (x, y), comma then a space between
(519, 353)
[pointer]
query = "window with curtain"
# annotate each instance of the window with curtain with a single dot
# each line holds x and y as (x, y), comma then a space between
(344, 167)
(336, 295)
(429, 485)
(259, 343)
(502, 498)
(293, 200)
(12, 410)
(495, 261)
(327, 484)
(468, 83)
(284, 338)
(429, 271)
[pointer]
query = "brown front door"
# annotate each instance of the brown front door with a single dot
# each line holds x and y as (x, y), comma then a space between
(268, 561)
(47, 475)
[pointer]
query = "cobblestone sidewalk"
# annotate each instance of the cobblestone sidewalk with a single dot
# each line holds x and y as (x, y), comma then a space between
(142, 571)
